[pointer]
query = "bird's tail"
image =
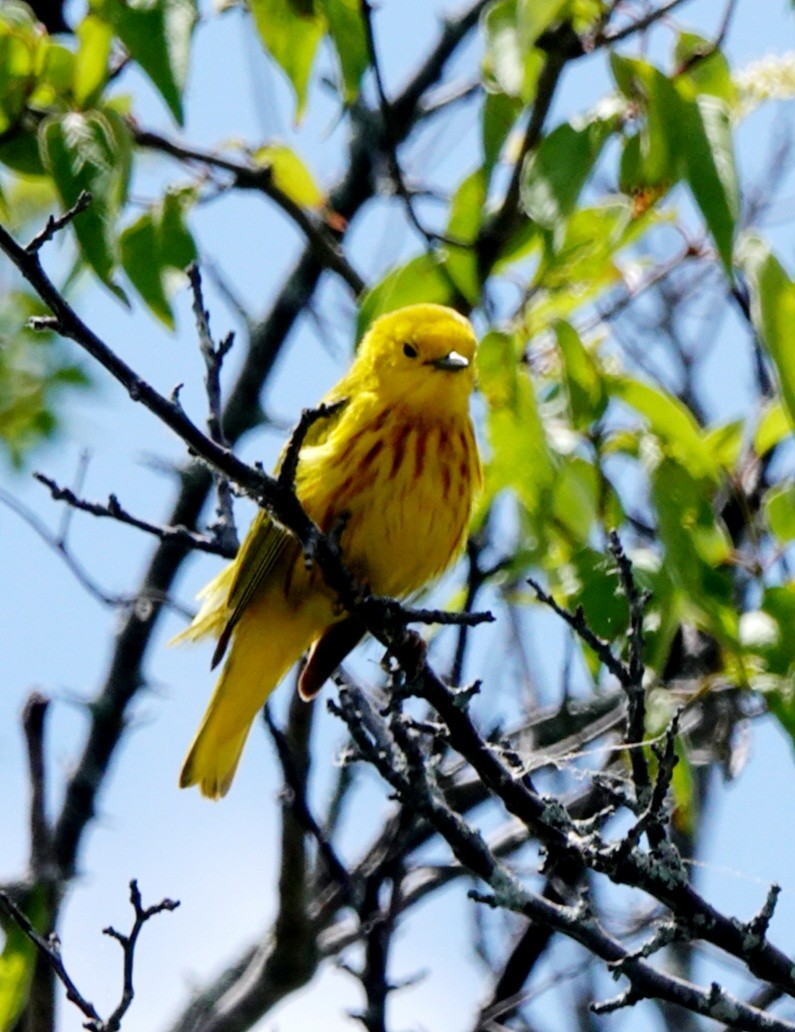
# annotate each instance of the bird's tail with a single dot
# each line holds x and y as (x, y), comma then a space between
(265, 644)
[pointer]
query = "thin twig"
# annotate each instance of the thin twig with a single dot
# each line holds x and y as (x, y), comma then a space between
(655, 14)
(113, 509)
(128, 943)
(577, 622)
(54, 225)
(292, 452)
(50, 950)
(636, 693)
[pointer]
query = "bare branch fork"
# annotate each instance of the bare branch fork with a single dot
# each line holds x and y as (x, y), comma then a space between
(50, 949)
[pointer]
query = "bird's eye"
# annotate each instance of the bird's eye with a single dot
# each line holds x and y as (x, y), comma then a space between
(409, 351)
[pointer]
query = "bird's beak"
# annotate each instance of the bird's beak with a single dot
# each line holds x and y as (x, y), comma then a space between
(452, 362)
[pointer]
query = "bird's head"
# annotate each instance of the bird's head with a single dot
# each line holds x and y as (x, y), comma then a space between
(419, 356)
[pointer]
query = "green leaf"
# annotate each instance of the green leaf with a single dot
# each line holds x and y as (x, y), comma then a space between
(290, 31)
(584, 264)
(706, 141)
(683, 790)
(773, 312)
(587, 395)
(157, 34)
(575, 498)
(779, 505)
(511, 63)
(555, 173)
(289, 174)
(18, 959)
(55, 80)
(346, 28)
(590, 581)
(658, 160)
(91, 70)
(500, 112)
(19, 151)
(773, 428)
(420, 279)
(685, 133)
(16, 970)
(725, 442)
(536, 16)
(21, 46)
(466, 214)
(709, 74)
(779, 605)
(34, 371)
(695, 547)
(156, 249)
(520, 458)
(87, 152)
(672, 423)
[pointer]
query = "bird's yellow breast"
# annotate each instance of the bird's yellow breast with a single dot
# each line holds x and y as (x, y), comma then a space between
(405, 486)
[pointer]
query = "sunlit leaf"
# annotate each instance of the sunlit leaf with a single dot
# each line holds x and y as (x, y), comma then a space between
(520, 458)
(779, 506)
(84, 152)
(34, 374)
(511, 64)
(725, 442)
(696, 546)
(554, 174)
(290, 174)
(773, 427)
(18, 959)
(466, 213)
(91, 70)
(420, 279)
(704, 68)
(156, 249)
(55, 79)
(158, 35)
(658, 160)
(706, 141)
(536, 16)
(21, 45)
(346, 28)
(500, 112)
(291, 30)
(587, 395)
(575, 498)
(673, 424)
(685, 798)
(773, 311)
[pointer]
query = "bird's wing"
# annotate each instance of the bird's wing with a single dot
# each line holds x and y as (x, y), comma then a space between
(259, 554)
(267, 539)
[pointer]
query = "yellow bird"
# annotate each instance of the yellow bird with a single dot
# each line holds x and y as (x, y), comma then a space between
(399, 463)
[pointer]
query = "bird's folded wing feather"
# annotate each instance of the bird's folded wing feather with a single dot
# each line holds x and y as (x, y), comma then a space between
(265, 542)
